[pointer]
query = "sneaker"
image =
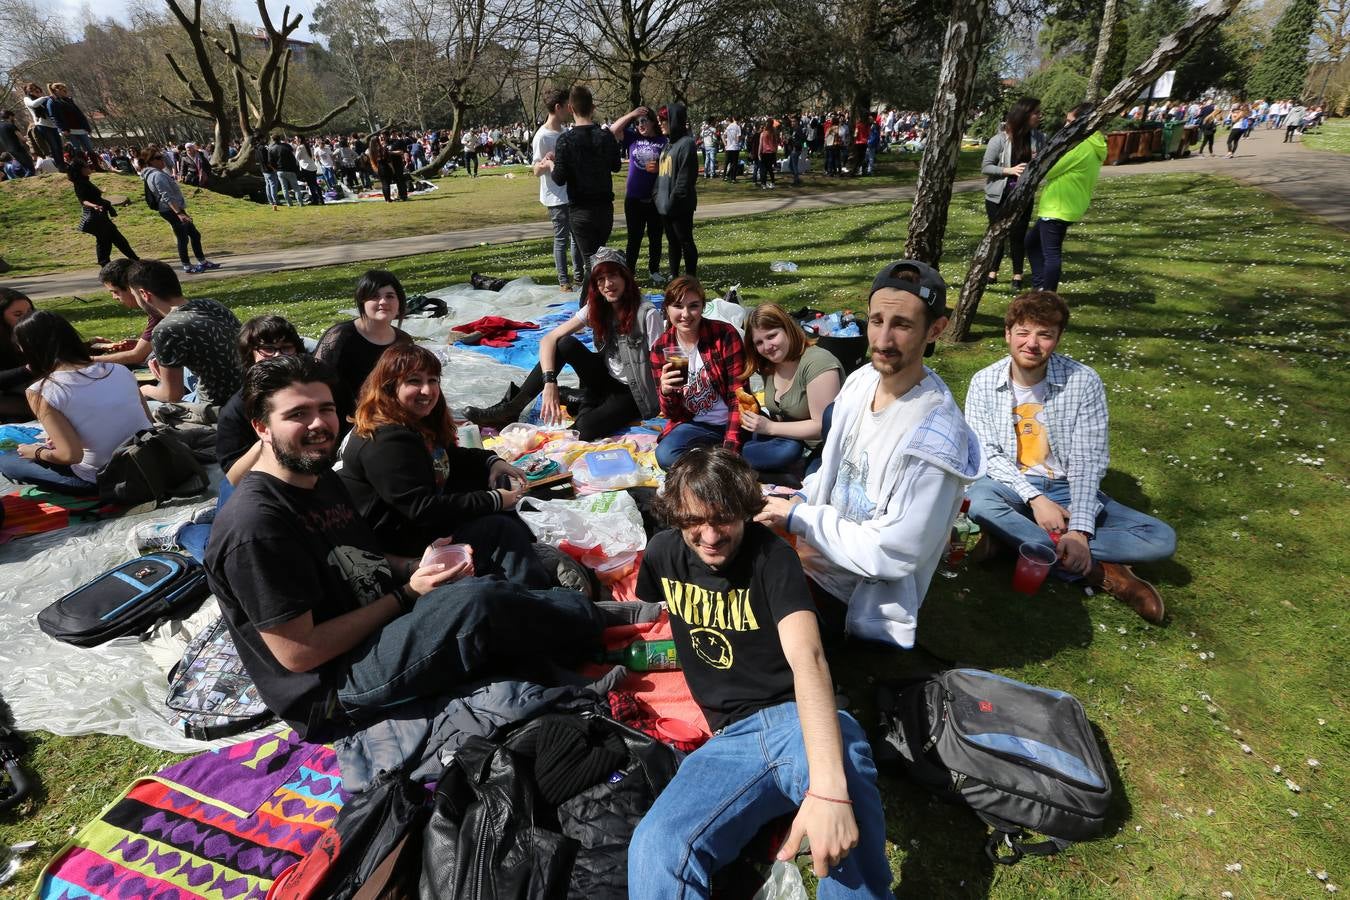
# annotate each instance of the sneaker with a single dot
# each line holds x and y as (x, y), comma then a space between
(192, 270)
(204, 514)
(154, 537)
(207, 264)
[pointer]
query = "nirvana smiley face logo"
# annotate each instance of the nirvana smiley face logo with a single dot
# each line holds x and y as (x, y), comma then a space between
(712, 647)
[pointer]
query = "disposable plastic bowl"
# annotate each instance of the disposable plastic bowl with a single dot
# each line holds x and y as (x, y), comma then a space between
(449, 555)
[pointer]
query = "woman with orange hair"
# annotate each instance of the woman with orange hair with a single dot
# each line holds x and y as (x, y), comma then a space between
(413, 484)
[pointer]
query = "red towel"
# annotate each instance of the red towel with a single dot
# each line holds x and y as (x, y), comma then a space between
(496, 331)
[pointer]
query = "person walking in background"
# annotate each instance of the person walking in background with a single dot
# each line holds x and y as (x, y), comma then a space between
(43, 123)
(731, 137)
(1209, 126)
(795, 141)
(173, 209)
(677, 191)
(640, 134)
(1242, 126)
(97, 214)
(766, 161)
(709, 141)
(380, 161)
(553, 195)
(327, 161)
(70, 119)
(287, 168)
(583, 162)
(1005, 160)
(1065, 197)
(1293, 121)
(470, 142)
(271, 183)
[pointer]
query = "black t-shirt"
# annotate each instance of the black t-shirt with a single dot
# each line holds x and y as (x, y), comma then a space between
(725, 622)
(201, 335)
(234, 432)
(353, 357)
(278, 551)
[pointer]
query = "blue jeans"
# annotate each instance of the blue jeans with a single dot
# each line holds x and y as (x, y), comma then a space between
(772, 454)
(871, 159)
(686, 436)
(1123, 535)
(562, 238)
(82, 143)
(795, 165)
(273, 186)
(56, 479)
(749, 774)
(709, 162)
(1045, 252)
(458, 632)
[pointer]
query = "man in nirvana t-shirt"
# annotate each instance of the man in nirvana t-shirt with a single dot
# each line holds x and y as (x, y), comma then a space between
(746, 633)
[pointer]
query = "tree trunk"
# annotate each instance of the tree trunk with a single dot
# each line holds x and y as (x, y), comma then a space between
(937, 169)
(451, 147)
(1094, 88)
(1171, 49)
(637, 70)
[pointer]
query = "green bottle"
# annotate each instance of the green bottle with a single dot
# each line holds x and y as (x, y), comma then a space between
(645, 656)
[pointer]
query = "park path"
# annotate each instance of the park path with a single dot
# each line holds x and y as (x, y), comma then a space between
(1316, 182)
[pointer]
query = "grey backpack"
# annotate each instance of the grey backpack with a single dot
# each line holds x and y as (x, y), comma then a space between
(210, 693)
(1024, 758)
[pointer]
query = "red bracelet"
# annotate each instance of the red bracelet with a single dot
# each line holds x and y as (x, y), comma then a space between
(829, 799)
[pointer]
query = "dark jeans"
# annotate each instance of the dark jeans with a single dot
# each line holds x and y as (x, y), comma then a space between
(503, 547)
(607, 403)
(1206, 140)
(733, 163)
(459, 632)
(1234, 136)
(391, 176)
(591, 228)
(766, 168)
(1016, 240)
(52, 138)
(185, 232)
(832, 160)
(471, 162)
(680, 237)
(1045, 250)
(640, 217)
(311, 181)
(107, 237)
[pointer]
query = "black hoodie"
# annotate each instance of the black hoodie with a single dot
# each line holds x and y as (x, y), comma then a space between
(677, 176)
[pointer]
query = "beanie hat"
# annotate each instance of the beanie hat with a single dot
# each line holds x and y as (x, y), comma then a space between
(569, 758)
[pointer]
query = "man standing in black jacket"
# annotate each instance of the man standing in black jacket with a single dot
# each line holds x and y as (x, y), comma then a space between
(584, 162)
(282, 158)
(677, 191)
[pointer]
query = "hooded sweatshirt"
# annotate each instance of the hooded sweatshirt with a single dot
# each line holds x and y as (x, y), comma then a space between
(677, 173)
(890, 558)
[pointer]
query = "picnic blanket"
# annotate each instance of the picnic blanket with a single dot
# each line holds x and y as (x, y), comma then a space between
(30, 511)
(222, 824)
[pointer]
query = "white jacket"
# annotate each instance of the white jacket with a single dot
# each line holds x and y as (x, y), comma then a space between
(895, 553)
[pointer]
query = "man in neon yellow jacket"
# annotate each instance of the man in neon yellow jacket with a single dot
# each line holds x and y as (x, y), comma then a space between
(1064, 198)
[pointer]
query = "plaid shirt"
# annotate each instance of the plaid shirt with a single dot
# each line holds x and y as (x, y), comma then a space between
(723, 355)
(1075, 413)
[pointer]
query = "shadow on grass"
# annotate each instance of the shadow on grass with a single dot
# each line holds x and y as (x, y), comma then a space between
(37, 791)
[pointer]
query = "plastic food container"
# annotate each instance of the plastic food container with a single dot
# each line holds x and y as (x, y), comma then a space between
(449, 555)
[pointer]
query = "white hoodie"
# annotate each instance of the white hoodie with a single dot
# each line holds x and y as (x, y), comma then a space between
(894, 554)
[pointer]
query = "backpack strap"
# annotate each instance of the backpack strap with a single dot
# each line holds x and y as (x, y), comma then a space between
(1013, 841)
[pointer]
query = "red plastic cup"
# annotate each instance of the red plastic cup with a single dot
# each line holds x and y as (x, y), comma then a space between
(1033, 564)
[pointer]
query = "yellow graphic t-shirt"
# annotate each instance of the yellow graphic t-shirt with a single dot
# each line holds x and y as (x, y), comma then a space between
(1034, 456)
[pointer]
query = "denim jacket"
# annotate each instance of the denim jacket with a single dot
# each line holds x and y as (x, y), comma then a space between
(632, 353)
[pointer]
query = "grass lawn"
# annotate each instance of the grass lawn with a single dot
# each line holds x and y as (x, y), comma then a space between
(38, 215)
(1224, 349)
(1334, 135)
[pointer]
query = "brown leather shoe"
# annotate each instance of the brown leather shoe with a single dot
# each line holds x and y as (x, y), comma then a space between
(1120, 582)
(985, 550)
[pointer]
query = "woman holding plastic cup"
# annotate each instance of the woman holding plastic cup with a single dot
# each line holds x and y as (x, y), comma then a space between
(698, 365)
(414, 486)
(616, 381)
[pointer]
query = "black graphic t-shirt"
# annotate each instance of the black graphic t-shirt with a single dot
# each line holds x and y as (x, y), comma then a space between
(203, 336)
(278, 551)
(725, 623)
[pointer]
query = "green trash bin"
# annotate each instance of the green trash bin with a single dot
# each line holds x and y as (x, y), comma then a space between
(1173, 132)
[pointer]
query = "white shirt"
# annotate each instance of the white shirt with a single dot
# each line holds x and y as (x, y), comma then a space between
(326, 157)
(698, 392)
(732, 136)
(46, 166)
(103, 405)
(550, 192)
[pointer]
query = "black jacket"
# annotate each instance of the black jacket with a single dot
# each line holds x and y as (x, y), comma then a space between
(488, 809)
(282, 158)
(677, 178)
(392, 481)
(583, 161)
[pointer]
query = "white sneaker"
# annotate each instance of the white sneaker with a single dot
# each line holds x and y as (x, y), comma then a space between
(153, 537)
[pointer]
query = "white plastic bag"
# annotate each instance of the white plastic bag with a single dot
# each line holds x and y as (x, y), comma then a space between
(593, 530)
(731, 313)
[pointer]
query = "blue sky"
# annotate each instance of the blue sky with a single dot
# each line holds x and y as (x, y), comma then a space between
(118, 10)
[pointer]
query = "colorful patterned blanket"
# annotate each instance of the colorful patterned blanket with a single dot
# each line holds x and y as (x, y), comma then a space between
(30, 511)
(221, 825)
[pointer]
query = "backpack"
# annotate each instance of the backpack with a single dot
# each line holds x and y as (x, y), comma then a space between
(210, 692)
(129, 599)
(151, 200)
(1024, 758)
(152, 466)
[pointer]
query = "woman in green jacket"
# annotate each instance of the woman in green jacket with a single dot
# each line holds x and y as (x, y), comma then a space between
(1064, 199)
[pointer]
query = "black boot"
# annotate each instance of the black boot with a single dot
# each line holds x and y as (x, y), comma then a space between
(500, 414)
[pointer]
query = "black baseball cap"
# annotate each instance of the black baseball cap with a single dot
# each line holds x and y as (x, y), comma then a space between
(919, 279)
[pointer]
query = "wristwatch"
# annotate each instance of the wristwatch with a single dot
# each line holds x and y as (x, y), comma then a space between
(550, 377)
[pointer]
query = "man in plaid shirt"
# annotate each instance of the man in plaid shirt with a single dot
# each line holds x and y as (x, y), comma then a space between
(1041, 419)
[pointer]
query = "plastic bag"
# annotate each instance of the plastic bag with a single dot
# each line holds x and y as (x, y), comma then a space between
(782, 265)
(592, 530)
(731, 313)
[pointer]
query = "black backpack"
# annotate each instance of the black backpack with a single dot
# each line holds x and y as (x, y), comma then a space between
(152, 466)
(210, 692)
(1024, 758)
(130, 599)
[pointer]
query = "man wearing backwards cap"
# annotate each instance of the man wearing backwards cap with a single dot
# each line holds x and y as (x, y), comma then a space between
(877, 515)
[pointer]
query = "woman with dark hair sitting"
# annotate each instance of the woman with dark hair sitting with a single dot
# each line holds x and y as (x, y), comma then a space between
(352, 348)
(97, 214)
(413, 485)
(800, 382)
(237, 447)
(14, 372)
(87, 409)
(616, 379)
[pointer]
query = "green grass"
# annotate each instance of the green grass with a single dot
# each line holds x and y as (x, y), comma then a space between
(38, 215)
(1334, 135)
(1224, 350)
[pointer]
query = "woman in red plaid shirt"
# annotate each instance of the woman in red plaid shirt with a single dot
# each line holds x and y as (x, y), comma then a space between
(698, 365)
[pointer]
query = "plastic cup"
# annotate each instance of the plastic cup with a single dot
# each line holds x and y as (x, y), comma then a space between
(676, 356)
(677, 730)
(1033, 564)
(449, 555)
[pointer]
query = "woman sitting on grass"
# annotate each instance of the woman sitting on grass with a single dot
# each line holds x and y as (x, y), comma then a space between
(237, 447)
(87, 409)
(353, 348)
(616, 379)
(413, 485)
(14, 372)
(698, 364)
(800, 382)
